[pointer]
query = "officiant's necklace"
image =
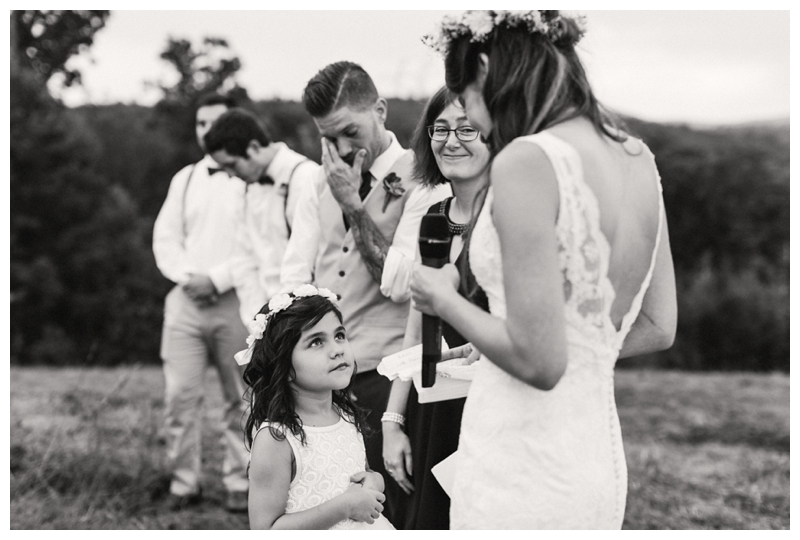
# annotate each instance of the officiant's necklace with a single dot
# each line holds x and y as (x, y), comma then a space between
(456, 229)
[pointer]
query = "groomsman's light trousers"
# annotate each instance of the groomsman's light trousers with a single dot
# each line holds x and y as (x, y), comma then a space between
(193, 338)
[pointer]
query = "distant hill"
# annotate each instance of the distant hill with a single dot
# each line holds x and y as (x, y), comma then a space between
(726, 192)
(775, 129)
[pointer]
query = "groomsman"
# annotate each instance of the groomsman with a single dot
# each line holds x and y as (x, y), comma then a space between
(275, 178)
(193, 241)
(356, 233)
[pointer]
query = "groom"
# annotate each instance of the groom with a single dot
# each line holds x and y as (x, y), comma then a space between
(356, 233)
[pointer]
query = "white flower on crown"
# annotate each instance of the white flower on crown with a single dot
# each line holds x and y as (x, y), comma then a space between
(515, 17)
(257, 325)
(305, 290)
(479, 23)
(279, 302)
(579, 18)
(450, 23)
(256, 328)
(329, 295)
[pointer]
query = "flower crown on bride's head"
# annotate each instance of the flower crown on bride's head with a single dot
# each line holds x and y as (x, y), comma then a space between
(479, 24)
(277, 303)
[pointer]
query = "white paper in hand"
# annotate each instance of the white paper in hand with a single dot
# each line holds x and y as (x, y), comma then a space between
(445, 472)
(405, 363)
(453, 377)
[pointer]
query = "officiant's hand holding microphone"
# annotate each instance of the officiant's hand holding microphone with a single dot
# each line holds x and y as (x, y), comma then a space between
(431, 286)
(434, 248)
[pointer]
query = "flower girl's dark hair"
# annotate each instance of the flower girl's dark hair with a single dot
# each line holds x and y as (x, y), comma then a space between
(270, 370)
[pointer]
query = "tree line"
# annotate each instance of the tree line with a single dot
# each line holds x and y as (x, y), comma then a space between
(87, 183)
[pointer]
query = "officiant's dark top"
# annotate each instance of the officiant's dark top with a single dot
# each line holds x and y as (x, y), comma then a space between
(433, 428)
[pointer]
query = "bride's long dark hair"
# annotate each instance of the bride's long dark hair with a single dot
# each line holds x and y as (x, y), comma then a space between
(270, 371)
(532, 82)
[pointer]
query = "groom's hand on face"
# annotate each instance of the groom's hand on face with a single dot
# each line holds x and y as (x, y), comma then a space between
(343, 179)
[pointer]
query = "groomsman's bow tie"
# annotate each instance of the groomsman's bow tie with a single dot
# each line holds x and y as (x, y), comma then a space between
(266, 179)
(214, 170)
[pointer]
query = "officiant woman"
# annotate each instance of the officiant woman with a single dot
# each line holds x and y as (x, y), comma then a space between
(418, 436)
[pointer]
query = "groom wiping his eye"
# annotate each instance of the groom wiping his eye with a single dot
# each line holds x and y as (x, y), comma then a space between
(356, 233)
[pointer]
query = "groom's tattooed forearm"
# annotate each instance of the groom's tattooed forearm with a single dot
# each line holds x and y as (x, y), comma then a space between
(370, 242)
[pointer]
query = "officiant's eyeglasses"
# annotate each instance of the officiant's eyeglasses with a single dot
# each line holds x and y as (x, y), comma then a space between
(463, 133)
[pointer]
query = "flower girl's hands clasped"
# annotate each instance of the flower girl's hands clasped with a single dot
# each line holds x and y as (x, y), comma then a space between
(363, 504)
(429, 286)
(369, 479)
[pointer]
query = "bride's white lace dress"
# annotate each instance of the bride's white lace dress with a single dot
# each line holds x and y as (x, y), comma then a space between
(533, 459)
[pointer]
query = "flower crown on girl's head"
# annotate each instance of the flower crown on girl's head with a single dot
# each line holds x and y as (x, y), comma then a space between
(479, 24)
(277, 303)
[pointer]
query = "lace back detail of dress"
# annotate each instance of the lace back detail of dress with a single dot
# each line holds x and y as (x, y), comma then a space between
(583, 250)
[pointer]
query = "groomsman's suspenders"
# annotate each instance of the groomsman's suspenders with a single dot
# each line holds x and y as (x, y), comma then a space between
(183, 202)
(285, 195)
(286, 198)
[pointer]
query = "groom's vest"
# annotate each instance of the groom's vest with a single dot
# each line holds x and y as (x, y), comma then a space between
(375, 324)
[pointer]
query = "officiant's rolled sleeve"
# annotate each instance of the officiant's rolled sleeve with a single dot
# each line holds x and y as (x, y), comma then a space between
(396, 276)
(399, 262)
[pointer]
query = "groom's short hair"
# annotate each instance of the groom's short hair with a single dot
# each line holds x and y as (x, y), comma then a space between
(337, 85)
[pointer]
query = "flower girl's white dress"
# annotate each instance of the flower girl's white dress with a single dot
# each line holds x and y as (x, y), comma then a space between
(533, 459)
(324, 465)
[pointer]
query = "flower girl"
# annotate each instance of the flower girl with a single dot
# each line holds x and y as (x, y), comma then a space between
(308, 465)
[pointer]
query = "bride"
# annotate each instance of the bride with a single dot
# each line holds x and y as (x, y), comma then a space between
(571, 248)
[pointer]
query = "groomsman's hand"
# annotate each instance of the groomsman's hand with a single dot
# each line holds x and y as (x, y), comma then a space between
(201, 289)
(343, 179)
(429, 286)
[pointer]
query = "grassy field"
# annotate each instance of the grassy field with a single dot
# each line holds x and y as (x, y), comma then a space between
(704, 451)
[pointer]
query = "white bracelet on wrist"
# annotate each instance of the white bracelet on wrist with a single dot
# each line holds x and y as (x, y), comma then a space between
(393, 417)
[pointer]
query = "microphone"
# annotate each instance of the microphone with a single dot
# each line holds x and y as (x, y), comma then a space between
(434, 247)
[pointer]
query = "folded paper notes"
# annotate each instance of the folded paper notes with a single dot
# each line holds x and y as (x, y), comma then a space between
(453, 377)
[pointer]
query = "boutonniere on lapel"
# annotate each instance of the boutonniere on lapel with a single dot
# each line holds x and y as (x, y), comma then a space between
(391, 184)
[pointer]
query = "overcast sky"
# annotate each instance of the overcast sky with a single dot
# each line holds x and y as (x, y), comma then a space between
(715, 67)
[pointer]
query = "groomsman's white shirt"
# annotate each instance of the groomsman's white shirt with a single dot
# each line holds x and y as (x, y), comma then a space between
(263, 234)
(195, 229)
(301, 253)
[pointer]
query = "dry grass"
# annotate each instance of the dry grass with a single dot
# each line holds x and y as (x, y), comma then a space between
(704, 451)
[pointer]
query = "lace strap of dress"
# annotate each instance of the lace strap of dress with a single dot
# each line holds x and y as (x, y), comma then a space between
(636, 305)
(565, 163)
